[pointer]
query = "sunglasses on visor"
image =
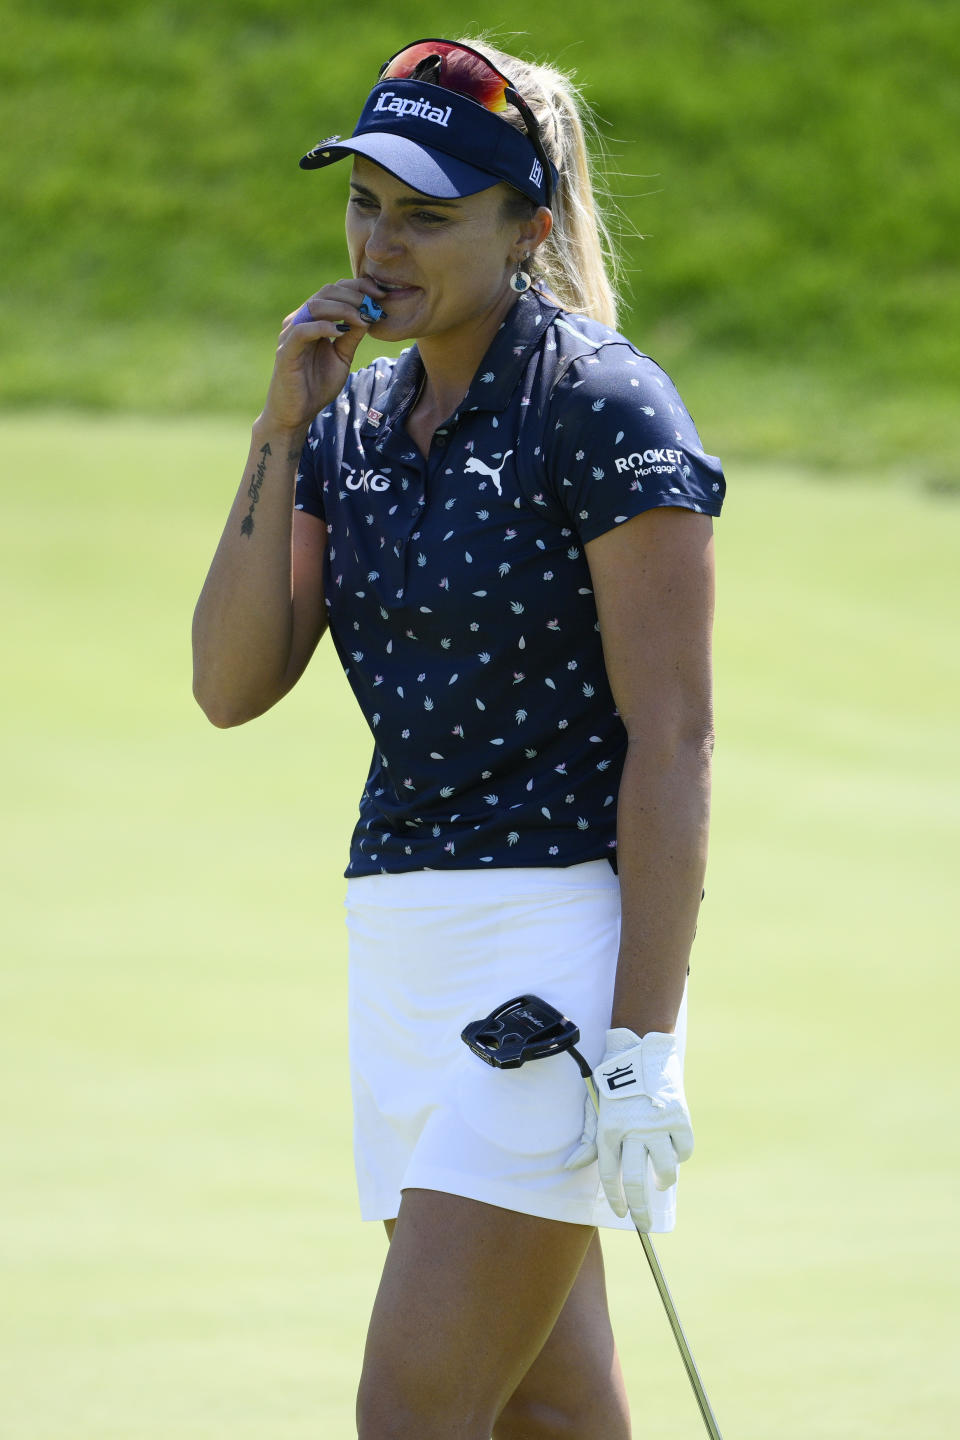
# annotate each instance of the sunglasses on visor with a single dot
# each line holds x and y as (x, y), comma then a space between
(467, 72)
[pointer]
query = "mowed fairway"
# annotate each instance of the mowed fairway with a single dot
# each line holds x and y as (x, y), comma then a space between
(180, 1249)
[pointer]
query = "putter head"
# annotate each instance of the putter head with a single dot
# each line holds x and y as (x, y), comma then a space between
(526, 1028)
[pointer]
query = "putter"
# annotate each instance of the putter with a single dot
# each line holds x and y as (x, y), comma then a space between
(528, 1028)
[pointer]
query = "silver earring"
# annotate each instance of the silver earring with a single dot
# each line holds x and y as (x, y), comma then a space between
(520, 280)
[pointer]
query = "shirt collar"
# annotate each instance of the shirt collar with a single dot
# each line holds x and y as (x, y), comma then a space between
(496, 378)
(398, 396)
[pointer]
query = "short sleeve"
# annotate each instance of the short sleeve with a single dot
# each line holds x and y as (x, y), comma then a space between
(619, 441)
(309, 492)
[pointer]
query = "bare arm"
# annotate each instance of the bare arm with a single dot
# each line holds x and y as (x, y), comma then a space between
(261, 612)
(653, 582)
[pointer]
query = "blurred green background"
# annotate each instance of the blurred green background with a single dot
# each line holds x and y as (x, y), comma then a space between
(179, 1247)
(789, 166)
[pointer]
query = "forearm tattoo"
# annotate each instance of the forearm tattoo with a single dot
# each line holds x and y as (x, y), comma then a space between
(246, 526)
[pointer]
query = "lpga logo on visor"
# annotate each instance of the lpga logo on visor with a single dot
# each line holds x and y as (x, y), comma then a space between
(421, 108)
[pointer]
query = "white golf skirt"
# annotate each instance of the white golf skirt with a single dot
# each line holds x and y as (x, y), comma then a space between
(429, 952)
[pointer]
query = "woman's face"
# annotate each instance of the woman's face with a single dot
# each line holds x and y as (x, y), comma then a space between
(450, 259)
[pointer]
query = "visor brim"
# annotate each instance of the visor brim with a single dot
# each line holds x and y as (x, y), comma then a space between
(431, 172)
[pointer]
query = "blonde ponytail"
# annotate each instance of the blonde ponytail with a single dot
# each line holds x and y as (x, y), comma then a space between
(577, 262)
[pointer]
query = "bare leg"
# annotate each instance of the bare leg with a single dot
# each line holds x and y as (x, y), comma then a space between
(469, 1296)
(574, 1389)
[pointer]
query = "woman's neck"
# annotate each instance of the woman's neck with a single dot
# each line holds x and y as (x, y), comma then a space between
(451, 360)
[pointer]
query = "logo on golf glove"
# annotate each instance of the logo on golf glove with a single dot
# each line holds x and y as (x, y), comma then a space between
(619, 1078)
(643, 1124)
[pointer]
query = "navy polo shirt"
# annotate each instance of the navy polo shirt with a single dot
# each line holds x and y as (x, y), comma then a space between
(459, 596)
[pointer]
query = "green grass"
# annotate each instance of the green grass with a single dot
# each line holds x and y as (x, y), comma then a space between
(179, 1245)
(786, 166)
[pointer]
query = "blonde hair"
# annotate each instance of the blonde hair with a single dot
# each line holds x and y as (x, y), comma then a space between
(577, 261)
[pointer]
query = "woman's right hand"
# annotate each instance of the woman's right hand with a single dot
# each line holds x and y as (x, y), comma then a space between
(313, 357)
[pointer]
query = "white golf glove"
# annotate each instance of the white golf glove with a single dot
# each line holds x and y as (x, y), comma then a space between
(643, 1115)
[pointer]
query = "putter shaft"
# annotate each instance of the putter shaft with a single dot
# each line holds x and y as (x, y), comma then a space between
(689, 1364)
(693, 1374)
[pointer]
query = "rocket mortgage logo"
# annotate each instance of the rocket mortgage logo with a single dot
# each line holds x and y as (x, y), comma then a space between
(650, 462)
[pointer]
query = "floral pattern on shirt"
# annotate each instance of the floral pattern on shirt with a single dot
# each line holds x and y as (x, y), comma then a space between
(459, 594)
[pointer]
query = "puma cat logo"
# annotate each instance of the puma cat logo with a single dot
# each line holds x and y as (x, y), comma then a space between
(478, 467)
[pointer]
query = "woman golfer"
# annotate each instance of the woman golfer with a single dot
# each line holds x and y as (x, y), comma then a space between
(507, 532)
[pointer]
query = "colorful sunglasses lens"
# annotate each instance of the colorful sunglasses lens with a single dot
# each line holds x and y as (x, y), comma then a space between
(460, 70)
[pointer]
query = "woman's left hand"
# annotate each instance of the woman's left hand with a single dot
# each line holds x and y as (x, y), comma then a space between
(642, 1117)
